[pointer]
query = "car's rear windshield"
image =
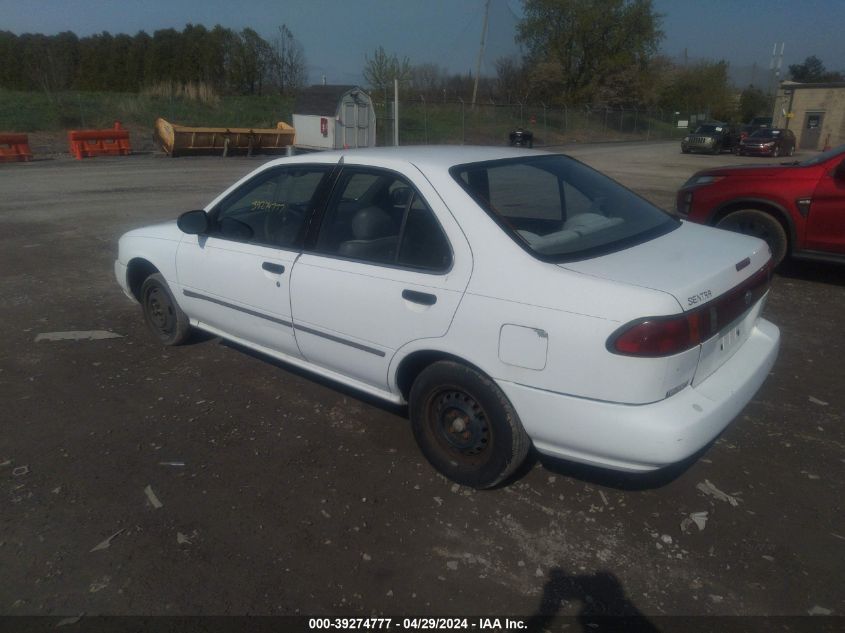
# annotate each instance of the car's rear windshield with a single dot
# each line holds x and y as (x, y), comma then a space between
(558, 209)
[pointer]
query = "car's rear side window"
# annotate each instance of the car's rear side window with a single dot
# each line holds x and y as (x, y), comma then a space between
(559, 209)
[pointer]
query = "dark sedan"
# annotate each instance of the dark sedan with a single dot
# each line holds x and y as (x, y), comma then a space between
(768, 142)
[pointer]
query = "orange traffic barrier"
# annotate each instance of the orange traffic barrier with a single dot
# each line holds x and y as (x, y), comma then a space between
(87, 143)
(14, 148)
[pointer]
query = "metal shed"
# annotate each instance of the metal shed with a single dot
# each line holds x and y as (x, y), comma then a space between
(334, 117)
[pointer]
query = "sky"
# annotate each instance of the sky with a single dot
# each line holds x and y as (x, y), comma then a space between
(338, 34)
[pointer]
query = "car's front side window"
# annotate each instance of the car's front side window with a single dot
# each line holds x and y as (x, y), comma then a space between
(378, 217)
(271, 208)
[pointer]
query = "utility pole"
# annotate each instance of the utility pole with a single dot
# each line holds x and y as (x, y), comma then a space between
(775, 66)
(480, 52)
(395, 111)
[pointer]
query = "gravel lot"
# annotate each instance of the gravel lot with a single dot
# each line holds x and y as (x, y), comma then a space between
(299, 497)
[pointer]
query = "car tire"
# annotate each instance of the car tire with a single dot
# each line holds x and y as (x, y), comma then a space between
(684, 151)
(792, 151)
(758, 224)
(717, 149)
(776, 152)
(162, 314)
(465, 426)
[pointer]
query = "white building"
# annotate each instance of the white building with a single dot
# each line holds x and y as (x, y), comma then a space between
(334, 117)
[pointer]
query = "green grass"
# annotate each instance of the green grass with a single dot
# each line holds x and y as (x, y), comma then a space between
(491, 125)
(432, 122)
(38, 111)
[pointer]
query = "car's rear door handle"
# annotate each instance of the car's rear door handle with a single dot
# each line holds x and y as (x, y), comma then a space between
(270, 267)
(419, 297)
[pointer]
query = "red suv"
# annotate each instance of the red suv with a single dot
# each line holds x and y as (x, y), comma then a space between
(798, 208)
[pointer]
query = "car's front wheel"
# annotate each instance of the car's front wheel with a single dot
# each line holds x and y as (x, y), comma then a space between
(465, 426)
(758, 224)
(162, 314)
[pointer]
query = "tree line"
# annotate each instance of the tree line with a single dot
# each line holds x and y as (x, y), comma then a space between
(230, 62)
(598, 52)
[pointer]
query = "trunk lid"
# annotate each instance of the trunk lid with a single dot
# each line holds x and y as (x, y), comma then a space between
(695, 264)
(718, 276)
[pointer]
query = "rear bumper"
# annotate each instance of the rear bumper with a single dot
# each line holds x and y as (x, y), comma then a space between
(641, 438)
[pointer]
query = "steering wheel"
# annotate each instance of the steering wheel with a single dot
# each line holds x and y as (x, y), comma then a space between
(283, 222)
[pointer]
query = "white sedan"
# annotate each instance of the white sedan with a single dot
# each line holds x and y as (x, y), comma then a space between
(510, 297)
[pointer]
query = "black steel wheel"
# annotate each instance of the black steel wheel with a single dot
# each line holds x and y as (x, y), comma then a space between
(465, 426)
(758, 224)
(162, 314)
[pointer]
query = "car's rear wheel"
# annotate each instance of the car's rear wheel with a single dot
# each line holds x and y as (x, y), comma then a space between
(465, 426)
(758, 224)
(792, 150)
(162, 314)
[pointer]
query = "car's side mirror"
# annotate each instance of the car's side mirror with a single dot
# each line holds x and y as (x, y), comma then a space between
(193, 222)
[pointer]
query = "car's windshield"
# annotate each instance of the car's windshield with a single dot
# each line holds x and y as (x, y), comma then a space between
(708, 129)
(765, 134)
(820, 158)
(559, 209)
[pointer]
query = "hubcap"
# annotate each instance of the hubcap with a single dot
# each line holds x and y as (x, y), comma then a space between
(459, 423)
(160, 310)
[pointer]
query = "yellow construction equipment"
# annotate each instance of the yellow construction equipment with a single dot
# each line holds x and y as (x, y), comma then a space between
(178, 140)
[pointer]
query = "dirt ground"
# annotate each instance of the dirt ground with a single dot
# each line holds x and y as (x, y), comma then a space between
(283, 494)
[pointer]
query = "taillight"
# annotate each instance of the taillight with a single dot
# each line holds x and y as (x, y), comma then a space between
(653, 337)
(661, 336)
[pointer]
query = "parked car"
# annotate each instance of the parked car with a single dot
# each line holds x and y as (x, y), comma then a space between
(768, 142)
(521, 138)
(508, 296)
(712, 138)
(798, 208)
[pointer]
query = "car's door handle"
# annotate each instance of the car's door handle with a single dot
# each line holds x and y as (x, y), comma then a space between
(270, 267)
(419, 297)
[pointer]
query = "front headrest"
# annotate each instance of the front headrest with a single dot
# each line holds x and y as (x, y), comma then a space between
(399, 197)
(372, 223)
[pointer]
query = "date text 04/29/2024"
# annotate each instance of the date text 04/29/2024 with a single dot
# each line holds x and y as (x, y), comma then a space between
(416, 624)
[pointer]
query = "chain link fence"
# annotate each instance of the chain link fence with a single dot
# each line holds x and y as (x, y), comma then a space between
(424, 121)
